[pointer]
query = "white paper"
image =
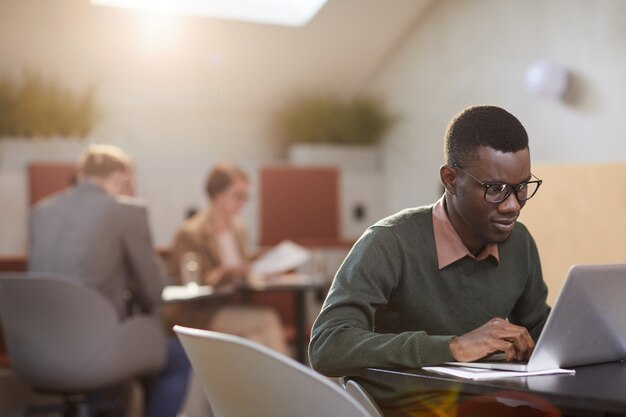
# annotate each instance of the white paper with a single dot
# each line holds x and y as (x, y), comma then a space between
(281, 280)
(480, 373)
(283, 257)
(185, 292)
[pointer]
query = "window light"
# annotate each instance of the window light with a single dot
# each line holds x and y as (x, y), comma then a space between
(276, 12)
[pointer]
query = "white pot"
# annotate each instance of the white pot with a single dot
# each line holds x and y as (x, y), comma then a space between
(17, 153)
(362, 158)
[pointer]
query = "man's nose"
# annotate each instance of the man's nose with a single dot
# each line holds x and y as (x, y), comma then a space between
(510, 205)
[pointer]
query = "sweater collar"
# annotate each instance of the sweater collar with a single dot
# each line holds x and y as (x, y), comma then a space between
(450, 247)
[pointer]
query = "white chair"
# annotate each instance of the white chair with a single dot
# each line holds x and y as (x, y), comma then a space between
(242, 379)
(358, 393)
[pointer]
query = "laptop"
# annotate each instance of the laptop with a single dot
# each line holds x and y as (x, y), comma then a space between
(586, 326)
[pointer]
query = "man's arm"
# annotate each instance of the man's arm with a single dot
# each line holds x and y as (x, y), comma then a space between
(146, 268)
(343, 338)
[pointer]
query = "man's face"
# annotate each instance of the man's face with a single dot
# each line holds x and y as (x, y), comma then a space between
(477, 221)
(122, 182)
(119, 182)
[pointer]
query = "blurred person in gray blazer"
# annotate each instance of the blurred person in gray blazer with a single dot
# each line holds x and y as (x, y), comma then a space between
(97, 233)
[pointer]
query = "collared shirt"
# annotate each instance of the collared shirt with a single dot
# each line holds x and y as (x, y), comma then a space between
(450, 247)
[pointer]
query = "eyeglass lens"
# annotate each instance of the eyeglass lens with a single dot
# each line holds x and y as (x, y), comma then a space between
(496, 193)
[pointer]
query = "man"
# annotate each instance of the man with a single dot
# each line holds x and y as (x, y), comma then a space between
(455, 281)
(94, 234)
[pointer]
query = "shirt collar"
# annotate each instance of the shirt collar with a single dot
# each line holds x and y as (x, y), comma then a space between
(450, 247)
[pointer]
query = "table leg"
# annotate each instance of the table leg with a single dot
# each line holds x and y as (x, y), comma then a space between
(300, 322)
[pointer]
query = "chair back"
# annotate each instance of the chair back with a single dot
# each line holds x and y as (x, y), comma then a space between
(358, 393)
(59, 333)
(244, 378)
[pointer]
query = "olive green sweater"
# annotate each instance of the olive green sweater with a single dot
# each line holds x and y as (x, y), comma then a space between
(390, 306)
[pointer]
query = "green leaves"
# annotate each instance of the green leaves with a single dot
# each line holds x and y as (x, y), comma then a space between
(327, 119)
(38, 107)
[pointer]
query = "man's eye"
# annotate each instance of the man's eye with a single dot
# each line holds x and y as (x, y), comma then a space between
(496, 188)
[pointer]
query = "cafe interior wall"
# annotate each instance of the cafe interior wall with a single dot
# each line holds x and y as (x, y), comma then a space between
(181, 93)
(464, 52)
(161, 106)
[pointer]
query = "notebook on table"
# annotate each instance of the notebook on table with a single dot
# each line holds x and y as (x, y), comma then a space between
(586, 326)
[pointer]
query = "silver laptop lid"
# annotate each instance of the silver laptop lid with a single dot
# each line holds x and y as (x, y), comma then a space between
(588, 322)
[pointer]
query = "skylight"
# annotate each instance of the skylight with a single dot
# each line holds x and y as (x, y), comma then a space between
(274, 12)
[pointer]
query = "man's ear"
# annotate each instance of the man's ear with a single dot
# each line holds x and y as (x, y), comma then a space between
(448, 178)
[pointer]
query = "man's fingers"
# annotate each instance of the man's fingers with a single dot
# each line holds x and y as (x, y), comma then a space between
(517, 333)
(517, 336)
(507, 347)
(495, 335)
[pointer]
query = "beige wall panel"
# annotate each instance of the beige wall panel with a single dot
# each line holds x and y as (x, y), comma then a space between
(577, 217)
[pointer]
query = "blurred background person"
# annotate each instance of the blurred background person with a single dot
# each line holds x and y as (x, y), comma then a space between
(97, 234)
(216, 234)
(215, 239)
(212, 248)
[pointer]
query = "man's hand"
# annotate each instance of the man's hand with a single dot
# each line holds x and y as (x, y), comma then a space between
(497, 335)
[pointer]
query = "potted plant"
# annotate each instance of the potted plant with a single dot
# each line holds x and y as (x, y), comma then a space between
(39, 115)
(325, 129)
(37, 107)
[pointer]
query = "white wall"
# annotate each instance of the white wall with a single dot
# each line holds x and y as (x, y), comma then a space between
(477, 51)
(181, 93)
(209, 91)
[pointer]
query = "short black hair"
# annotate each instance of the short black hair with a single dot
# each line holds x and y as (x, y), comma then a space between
(482, 125)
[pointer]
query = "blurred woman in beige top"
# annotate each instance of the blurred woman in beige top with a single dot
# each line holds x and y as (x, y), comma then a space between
(216, 240)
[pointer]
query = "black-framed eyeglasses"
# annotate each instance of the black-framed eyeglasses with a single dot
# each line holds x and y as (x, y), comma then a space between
(497, 192)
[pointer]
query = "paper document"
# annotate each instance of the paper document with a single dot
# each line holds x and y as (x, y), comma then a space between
(281, 280)
(185, 292)
(480, 373)
(283, 257)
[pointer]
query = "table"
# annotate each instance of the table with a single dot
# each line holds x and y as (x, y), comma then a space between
(593, 389)
(298, 284)
(190, 293)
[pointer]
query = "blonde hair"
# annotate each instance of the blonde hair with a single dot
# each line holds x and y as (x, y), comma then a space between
(103, 160)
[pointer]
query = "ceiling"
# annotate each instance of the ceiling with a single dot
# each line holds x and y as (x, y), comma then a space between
(339, 49)
(167, 84)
